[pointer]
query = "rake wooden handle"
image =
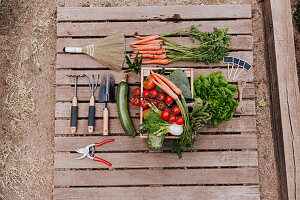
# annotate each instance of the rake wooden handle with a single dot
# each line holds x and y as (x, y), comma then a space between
(74, 115)
(91, 119)
(105, 121)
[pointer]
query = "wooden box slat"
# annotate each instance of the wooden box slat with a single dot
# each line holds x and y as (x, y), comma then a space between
(159, 193)
(124, 143)
(154, 13)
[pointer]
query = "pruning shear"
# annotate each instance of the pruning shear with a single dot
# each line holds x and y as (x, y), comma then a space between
(89, 151)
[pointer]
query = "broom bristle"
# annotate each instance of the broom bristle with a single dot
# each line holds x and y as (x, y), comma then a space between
(108, 51)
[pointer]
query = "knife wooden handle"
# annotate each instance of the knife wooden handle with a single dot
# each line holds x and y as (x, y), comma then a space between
(91, 119)
(105, 121)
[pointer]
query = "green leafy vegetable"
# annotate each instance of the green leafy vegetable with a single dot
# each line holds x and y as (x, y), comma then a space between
(155, 142)
(211, 46)
(198, 116)
(218, 94)
(134, 66)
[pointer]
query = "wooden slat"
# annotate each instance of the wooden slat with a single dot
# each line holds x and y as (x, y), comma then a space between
(243, 26)
(75, 61)
(160, 193)
(237, 124)
(239, 42)
(153, 177)
(62, 109)
(66, 93)
(125, 143)
(140, 160)
(63, 76)
(154, 12)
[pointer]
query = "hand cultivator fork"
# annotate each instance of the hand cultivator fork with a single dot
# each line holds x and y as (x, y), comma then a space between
(93, 87)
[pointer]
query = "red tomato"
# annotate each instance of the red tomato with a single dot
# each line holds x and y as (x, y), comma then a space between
(144, 104)
(165, 115)
(132, 101)
(172, 119)
(169, 100)
(179, 120)
(136, 101)
(153, 94)
(168, 109)
(148, 82)
(146, 94)
(155, 103)
(161, 97)
(136, 92)
(161, 106)
(176, 110)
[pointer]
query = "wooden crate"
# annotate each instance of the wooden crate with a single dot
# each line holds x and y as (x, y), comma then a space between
(146, 72)
(225, 166)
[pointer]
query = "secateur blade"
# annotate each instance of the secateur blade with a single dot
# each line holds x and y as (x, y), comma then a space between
(107, 89)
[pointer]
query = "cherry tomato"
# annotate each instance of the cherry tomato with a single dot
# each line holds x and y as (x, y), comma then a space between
(168, 109)
(153, 94)
(144, 104)
(161, 106)
(172, 119)
(136, 101)
(132, 101)
(161, 97)
(148, 82)
(149, 101)
(169, 100)
(146, 94)
(136, 92)
(179, 120)
(176, 110)
(145, 112)
(155, 103)
(165, 115)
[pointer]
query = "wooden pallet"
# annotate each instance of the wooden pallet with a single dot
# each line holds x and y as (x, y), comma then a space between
(225, 166)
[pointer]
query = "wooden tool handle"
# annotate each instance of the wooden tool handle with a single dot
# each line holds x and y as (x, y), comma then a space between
(105, 121)
(91, 119)
(74, 115)
(241, 87)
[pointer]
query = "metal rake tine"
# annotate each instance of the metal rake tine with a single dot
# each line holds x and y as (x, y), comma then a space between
(88, 81)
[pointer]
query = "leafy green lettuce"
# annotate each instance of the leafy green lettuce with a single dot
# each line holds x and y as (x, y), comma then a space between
(218, 94)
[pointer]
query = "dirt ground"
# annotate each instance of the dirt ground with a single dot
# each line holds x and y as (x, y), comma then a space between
(27, 94)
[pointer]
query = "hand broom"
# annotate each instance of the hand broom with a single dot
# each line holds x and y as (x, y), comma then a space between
(108, 51)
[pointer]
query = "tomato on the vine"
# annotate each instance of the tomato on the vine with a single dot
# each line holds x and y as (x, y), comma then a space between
(169, 100)
(161, 106)
(149, 83)
(161, 97)
(165, 115)
(136, 101)
(146, 94)
(169, 109)
(136, 92)
(144, 104)
(176, 110)
(172, 119)
(153, 93)
(132, 102)
(179, 120)
(155, 103)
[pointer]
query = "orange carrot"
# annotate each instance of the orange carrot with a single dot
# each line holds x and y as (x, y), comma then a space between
(149, 38)
(145, 45)
(163, 56)
(148, 48)
(168, 82)
(158, 42)
(140, 37)
(159, 52)
(166, 89)
(161, 62)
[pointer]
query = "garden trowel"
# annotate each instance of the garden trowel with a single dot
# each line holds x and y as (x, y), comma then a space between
(106, 95)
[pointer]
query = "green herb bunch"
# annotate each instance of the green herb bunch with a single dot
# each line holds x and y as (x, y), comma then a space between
(134, 66)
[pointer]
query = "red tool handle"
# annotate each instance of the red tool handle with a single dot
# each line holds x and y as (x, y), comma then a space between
(101, 160)
(103, 142)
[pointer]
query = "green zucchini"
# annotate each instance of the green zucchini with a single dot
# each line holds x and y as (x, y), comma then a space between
(122, 106)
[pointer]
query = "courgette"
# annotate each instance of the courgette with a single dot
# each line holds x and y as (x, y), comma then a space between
(122, 107)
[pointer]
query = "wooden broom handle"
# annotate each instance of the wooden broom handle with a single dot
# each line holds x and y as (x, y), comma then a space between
(105, 121)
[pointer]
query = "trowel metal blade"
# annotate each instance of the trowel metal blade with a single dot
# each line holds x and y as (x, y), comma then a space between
(107, 88)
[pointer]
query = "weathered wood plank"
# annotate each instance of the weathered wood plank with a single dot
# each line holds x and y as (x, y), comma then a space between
(139, 160)
(63, 109)
(242, 26)
(66, 93)
(153, 177)
(239, 42)
(63, 76)
(125, 143)
(237, 124)
(285, 95)
(74, 61)
(153, 13)
(160, 193)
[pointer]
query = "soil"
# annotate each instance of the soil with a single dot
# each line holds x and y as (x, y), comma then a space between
(27, 94)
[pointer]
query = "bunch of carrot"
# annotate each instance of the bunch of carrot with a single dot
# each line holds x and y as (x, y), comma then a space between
(150, 47)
